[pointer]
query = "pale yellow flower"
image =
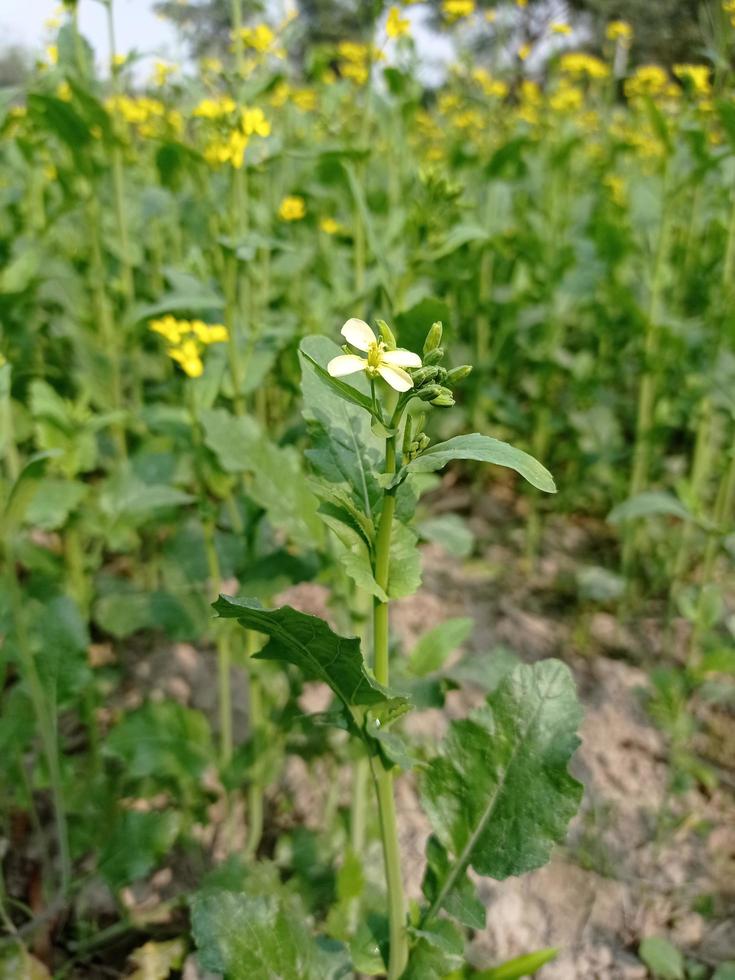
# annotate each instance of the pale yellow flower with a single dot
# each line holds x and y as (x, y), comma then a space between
(559, 27)
(390, 365)
(329, 226)
(396, 26)
(619, 30)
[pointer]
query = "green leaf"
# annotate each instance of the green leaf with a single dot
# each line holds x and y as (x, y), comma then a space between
(53, 502)
(450, 531)
(135, 844)
(310, 644)
(650, 503)
(404, 572)
(519, 966)
(252, 933)
(165, 740)
(346, 391)
(499, 795)
(662, 958)
(23, 491)
(278, 483)
(437, 953)
(461, 901)
(486, 450)
(434, 646)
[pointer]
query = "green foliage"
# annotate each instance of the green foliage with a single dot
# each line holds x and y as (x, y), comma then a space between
(662, 958)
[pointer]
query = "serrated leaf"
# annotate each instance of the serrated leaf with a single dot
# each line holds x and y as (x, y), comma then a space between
(243, 935)
(499, 795)
(310, 644)
(650, 503)
(487, 450)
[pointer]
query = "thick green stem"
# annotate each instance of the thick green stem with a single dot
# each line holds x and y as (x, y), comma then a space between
(382, 777)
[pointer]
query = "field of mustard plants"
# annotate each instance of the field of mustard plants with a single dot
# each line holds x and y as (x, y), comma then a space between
(364, 441)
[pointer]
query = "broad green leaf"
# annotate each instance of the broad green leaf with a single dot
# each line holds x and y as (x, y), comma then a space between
(346, 391)
(458, 236)
(404, 573)
(165, 740)
(650, 503)
(461, 901)
(438, 951)
(499, 795)
(434, 646)
(519, 966)
(450, 531)
(484, 670)
(486, 450)
(344, 447)
(248, 934)
(23, 491)
(127, 497)
(277, 481)
(135, 844)
(310, 644)
(662, 958)
(54, 501)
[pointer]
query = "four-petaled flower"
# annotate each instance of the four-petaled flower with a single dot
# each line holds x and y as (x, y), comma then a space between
(389, 364)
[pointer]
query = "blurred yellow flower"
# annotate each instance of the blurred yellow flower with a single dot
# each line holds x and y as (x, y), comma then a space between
(619, 30)
(616, 187)
(223, 105)
(396, 26)
(456, 9)
(490, 86)
(292, 208)
(558, 27)
(52, 54)
(63, 91)
(259, 38)
(650, 80)
(211, 66)
(521, 3)
(254, 122)
(696, 76)
(118, 60)
(161, 73)
(577, 63)
(491, 16)
(304, 99)
(329, 226)
(524, 51)
(189, 357)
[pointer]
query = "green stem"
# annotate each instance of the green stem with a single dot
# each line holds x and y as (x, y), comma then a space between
(384, 778)
(224, 655)
(256, 721)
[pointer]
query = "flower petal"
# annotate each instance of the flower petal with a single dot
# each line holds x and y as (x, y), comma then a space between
(359, 334)
(401, 358)
(338, 367)
(396, 377)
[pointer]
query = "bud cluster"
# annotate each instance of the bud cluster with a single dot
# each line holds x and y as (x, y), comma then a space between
(431, 381)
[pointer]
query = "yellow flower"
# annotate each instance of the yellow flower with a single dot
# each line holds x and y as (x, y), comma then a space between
(189, 358)
(579, 64)
(491, 16)
(390, 365)
(170, 328)
(304, 99)
(215, 333)
(52, 53)
(63, 91)
(619, 30)
(259, 38)
(223, 105)
(616, 186)
(524, 51)
(292, 208)
(490, 86)
(211, 66)
(161, 73)
(649, 80)
(118, 60)
(521, 3)
(560, 28)
(254, 122)
(696, 76)
(329, 226)
(396, 26)
(567, 98)
(456, 9)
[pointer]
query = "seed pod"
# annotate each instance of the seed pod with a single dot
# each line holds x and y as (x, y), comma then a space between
(428, 392)
(434, 356)
(386, 335)
(433, 338)
(444, 399)
(458, 373)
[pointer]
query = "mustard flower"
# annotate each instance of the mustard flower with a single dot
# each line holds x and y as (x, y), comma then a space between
(396, 26)
(292, 208)
(388, 364)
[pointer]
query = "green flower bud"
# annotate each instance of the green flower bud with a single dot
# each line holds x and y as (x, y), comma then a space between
(423, 441)
(444, 399)
(434, 356)
(423, 374)
(386, 335)
(458, 373)
(428, 392)
(433, 338)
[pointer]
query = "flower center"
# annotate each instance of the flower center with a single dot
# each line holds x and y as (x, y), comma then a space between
(375, 355)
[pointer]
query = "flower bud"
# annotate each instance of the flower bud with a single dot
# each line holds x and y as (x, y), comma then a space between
(423, 374)
(386, 335)
(433, 338)
(458, 373)
(444, 399)
(428, 392)
(423, 441)
(434, 356)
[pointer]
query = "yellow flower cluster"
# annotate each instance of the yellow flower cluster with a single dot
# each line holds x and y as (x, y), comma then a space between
(729, 8)
(650, 80)
(216, 108)
(355, 59)
(492, 87)
(149, 117)
(696, 77)
(162, 71)
(187, 339)
(581, 65)
(616, 187)
(457, 9)
(260, 38)
(567, 97)
(292, 208)
(231, 147)
(396, 26)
